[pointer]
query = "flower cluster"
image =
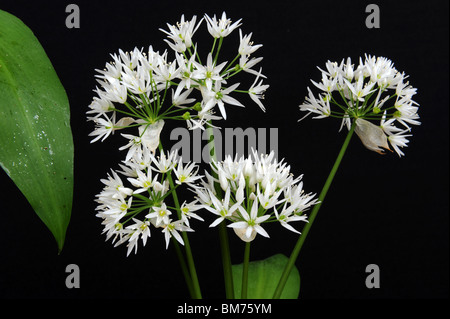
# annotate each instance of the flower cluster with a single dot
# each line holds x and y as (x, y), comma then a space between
(130, 206)
(144, 88)
(255, 191)
(371, 91)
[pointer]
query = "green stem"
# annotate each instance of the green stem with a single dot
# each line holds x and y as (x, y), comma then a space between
(230, 65)
(184, 267)
(223, 235)
(226, 261)
(312, 216)
(218, 50)
(187, 246)
(245, 271)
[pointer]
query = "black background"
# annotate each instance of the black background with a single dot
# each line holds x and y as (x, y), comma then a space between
(384, 210)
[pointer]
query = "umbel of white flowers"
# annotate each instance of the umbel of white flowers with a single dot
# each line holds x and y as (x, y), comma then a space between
(374, 94)
(131, 205)
(256, 190)
(144, 88)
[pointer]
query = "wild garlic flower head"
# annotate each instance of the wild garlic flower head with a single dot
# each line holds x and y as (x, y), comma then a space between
(144, 88)
(256, 190)
(373, 94)
(137, 200)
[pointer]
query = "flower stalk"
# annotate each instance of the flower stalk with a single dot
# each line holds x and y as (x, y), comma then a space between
(245, 270)
(184, 268)
(190, 259)
(311, 218)
(223, 235)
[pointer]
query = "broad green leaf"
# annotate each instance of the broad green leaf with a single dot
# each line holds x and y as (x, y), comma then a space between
(35, 136)
(263, 277)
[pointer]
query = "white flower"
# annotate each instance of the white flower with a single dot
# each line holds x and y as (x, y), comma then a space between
(246, 65)
(319, 106)
(164, 163)
(327, 85)
(100, 106)
(104, 127)
(113, 228)
(333, 70)
(165, 72)
(159, 215)
(186, 173)
(186, 70)
(221, 207)
(406, 112)
(181, 33)
(140, 229)
(222, 27)
(287, 216)
(161, 188)
(172, 228)
(130, 60)
(251, 222)
(133, 145)
(111, 70)
(256, 91)
(209, 73)
(143, 181)
(219, 97)
(399, 140)
(380, 70)
(115, 91)
(137, 82)
(347, 70)
(181, 99)
(115, 207)
(114, 187)
(246, 47)
(268, 198)
(359, 89)
(297, 198)
(187, 211)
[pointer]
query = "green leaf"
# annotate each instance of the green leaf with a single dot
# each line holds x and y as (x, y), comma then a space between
(263, 277)
(35, 135)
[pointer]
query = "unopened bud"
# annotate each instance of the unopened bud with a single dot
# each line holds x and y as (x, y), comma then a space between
(198, 106)
(187, 116)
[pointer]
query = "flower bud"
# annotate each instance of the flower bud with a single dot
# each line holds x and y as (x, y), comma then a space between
(249, 170)
(223, 180)
(198, 106)
(186, 116)
(240, 191)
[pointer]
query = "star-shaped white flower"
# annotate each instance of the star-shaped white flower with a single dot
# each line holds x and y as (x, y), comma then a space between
(221, 208)
(251, 223)
(222, 27)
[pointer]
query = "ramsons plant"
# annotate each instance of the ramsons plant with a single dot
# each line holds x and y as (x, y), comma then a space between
(140, 90)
